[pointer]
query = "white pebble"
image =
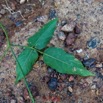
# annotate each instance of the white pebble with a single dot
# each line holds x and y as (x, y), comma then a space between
(70, 89)
(22, 1)
(93, 87)
(79, 51)
(68, 27)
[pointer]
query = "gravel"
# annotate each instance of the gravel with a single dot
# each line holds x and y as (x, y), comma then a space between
(80, 21)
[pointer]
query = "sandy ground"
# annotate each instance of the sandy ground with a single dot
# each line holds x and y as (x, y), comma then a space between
(87, 13)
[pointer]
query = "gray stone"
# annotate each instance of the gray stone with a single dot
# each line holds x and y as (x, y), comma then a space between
(42, 19)
(61, 36)
(22, 1)
(52, 14)
(63, 22)
(13, 101)
(93, 87)
(2, 11)
(89, 62)
(93, 42)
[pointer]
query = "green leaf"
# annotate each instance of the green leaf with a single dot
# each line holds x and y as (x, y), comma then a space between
(26, 59)
(63, 62)
(43, 36)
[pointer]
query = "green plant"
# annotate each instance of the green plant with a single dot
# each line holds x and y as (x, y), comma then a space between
(54, 57)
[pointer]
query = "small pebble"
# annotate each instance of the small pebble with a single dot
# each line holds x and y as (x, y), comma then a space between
(77, 29)
(52, 13)
(42, 2)
(93, 42)
(20, 99)
(99, 65)
(50, 70)
(97, 92)
(29, 9)
(71, 78)
(89, 62)
(53, 83)
(93, 87)
(22, 1)
(63, 22)
(18, 23)
(42, 19)
(52, 41)
(70, 89)
(78, 16)
(2, 11)
(13, 101)
(68, 27)
(98, 74)
(79, 50)
(61, 36)
(70, 39)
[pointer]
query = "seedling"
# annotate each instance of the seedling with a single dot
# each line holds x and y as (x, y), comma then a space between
(54, 57)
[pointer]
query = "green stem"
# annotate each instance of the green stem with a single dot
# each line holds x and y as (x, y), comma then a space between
(5, 52)
(9, 46)
(23, 75)
(28, 47)
(6, 34)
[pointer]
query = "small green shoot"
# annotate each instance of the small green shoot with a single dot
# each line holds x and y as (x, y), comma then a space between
(54, 57)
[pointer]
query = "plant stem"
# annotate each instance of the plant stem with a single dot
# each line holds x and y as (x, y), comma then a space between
(28, 47)
(5, 52)
(9, 46)
(23, 75)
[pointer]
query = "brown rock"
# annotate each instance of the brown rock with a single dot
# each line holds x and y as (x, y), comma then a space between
(70, 39)
(25, 94)
(77, 29)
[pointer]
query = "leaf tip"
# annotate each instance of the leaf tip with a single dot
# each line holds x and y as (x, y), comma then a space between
(55, 20)
(93, 75)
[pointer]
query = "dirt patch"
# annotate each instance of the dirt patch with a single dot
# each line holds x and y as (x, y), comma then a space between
(87, 14)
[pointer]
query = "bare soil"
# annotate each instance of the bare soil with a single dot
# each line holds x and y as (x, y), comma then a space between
(87, 13)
